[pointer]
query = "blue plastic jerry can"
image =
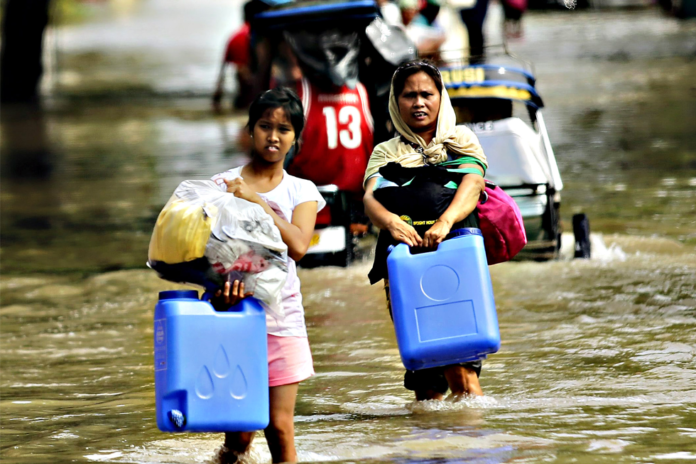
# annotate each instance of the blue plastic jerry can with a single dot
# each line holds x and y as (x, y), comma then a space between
(211, 367)
(442, 302)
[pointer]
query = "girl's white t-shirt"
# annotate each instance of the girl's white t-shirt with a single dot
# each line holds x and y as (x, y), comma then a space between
(283, 199)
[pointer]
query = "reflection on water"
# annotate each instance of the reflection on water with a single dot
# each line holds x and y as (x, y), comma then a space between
(117, 168)
(597, 363)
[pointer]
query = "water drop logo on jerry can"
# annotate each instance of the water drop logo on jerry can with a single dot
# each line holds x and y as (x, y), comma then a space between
(211, 367)
(442, 302)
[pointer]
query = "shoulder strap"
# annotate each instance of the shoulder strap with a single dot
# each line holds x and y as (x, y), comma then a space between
(465, 171)
(464, 160)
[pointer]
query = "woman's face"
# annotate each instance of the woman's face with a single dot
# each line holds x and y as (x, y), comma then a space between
(273, 135)
(419, 103)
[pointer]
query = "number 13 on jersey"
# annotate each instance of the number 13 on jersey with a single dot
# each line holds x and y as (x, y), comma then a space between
(349, 134)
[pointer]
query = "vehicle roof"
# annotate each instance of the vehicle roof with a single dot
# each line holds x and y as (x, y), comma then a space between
(491, 81)
(292, 14)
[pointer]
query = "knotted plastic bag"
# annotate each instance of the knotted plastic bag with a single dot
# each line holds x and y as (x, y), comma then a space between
(206, 237)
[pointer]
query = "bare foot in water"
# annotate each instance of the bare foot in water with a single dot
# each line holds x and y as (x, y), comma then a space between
(224, 455)
(462, 381)
(235, 449)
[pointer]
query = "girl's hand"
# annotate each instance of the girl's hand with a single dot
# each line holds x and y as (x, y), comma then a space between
(436, 234)
(240, 189)
(402, 232)
(233, 293)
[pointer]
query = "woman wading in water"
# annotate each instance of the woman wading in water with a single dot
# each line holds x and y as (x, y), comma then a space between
(428, 135)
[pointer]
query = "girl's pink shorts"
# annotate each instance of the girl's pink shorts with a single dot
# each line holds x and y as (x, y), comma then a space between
(289, 360)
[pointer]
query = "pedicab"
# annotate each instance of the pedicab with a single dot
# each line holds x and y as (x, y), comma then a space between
(339, 56)
(499, 101)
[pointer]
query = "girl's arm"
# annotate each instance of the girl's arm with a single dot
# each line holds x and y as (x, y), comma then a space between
(463, 204)
(296, 234)
(386, 220)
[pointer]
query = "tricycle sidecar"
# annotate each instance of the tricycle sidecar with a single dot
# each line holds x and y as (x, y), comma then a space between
(500, 103)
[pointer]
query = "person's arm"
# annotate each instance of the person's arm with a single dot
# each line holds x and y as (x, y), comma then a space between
(296, 234)
(219, 88)
(463, 204)
(263, 51)
(300, 231)
(386, 220)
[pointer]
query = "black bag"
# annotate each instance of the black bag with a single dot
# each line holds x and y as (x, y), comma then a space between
(421, 196)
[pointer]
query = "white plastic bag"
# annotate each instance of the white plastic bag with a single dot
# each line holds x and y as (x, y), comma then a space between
(244, 243)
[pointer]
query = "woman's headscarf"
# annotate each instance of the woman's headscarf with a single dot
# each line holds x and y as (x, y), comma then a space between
(458, 140)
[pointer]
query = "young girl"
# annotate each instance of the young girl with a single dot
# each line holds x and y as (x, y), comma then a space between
(275, 123)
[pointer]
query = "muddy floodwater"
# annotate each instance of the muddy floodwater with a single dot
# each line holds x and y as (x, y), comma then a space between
(598, 357)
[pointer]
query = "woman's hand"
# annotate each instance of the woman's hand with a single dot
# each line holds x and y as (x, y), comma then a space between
(436, 234)
(403, 232)
(240, 189)
(232, 293)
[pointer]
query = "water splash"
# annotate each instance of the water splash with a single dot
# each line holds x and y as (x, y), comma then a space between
(601, 252)
(453, 404)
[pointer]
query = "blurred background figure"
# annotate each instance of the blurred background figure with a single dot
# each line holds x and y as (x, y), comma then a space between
(409, 11)
(473, 17)
(339, 59)
(425, 35)
(338, 135)
(429, 10)
(238, 53)
(512, 24)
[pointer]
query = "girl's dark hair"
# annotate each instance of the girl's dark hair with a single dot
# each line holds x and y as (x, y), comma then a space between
(410, 68)
(279, 97)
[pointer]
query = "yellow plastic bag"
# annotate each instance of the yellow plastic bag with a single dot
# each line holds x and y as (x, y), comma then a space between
(182, 231)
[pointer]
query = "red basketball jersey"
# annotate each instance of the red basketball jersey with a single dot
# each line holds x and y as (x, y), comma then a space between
(337, 139)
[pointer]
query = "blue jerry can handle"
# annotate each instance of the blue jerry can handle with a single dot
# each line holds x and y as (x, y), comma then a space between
(178, 295)
(208, 295)
(391, 248)
(453, 234)
(399, 246)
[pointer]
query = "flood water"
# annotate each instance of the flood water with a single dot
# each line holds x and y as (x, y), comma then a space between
(598, 360)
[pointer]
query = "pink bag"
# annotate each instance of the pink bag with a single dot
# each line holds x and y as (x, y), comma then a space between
(520, 5)
(501, 225)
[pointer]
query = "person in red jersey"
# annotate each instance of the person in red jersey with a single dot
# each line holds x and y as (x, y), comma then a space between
(338, 136)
